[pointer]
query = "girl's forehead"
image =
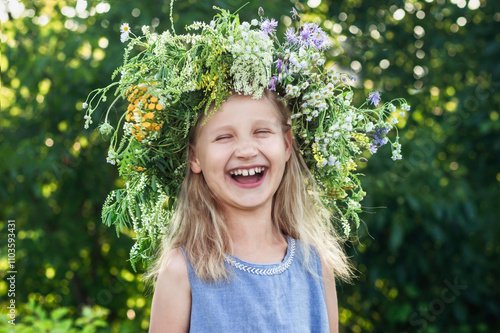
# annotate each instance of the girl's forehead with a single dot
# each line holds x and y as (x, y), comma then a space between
(244, 111)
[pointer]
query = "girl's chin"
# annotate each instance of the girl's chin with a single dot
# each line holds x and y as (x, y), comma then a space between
(248, 203)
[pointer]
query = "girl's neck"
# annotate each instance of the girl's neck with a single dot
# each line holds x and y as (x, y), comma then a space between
(250, 225)
(253, 235)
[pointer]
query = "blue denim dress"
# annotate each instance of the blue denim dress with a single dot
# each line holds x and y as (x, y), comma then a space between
(282, 297)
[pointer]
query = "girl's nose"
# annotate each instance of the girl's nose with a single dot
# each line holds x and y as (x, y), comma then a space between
(246, 149)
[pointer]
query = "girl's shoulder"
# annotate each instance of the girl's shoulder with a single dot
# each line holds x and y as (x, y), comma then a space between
(175, 266)
(172, 297)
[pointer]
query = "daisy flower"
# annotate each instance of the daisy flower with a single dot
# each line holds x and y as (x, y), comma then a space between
(125, 31)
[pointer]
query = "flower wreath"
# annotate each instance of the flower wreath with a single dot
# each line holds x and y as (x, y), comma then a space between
(175, 78)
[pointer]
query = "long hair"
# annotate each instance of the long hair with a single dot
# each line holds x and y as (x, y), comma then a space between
(199, 225)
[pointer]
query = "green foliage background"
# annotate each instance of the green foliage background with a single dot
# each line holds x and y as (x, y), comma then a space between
(428, 261)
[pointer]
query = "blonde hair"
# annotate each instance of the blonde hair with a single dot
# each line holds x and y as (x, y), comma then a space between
(199, 224)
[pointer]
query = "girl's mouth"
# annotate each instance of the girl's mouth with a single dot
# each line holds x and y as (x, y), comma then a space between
(248, 178)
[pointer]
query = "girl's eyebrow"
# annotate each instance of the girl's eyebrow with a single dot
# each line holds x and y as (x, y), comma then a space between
(222, 128)
(256, 122)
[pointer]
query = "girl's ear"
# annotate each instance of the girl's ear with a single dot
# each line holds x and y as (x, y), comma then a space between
(193, 160)
(288, 144)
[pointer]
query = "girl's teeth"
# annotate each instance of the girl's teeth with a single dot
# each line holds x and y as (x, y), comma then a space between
(245, 172)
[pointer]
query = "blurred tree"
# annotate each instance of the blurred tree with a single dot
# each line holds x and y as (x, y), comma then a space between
(55, 178)
(430, 260)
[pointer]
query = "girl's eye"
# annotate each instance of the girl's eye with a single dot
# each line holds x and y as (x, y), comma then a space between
(222, 137)
(263, 132)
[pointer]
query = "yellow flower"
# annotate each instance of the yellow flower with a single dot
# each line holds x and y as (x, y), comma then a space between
(317, 155)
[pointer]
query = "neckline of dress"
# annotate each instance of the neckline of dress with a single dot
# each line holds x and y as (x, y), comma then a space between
(265, 269)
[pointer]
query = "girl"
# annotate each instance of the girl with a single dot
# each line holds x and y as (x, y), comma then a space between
(247, 243)
(250, 247)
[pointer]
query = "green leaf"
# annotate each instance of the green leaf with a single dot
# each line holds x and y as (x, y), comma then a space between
(58, 313)
(160, 165)
(153, 183)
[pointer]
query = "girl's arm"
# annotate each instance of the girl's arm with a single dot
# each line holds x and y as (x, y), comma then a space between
(331, 297)
(171, 308)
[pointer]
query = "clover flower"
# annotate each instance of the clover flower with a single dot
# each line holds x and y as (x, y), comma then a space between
(374, 98)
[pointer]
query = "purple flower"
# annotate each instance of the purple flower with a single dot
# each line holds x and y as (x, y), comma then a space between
(321, 41)
(379, 140)
(295, 15)
(269, 26)
(382, 130)
(304, 33)
(290, 36)
(311, 35)
(280, 66)
(374, 98)
(272, 83)
(379, 136)
(373, 148)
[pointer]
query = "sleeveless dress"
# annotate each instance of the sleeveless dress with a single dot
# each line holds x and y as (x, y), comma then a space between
(282, 297)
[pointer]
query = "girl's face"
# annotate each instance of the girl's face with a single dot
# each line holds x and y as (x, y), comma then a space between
(242, 152)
